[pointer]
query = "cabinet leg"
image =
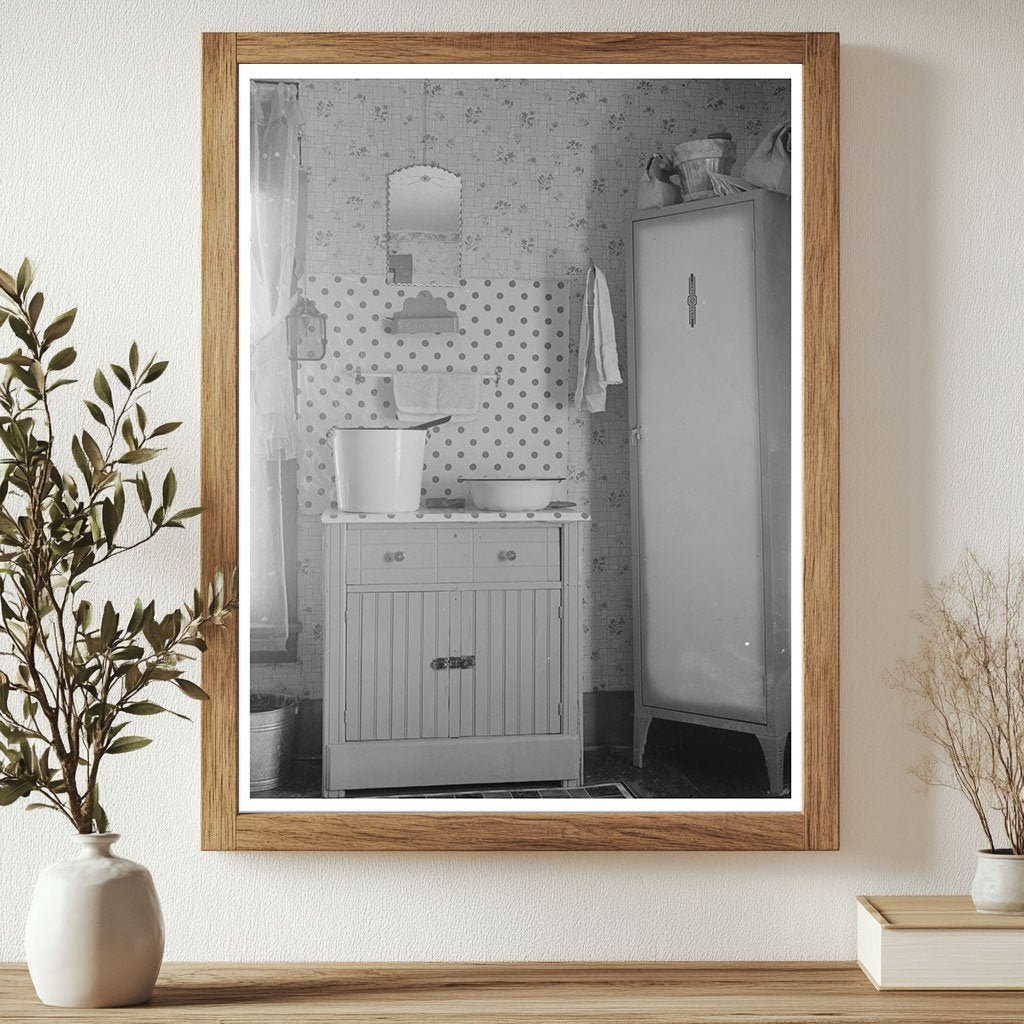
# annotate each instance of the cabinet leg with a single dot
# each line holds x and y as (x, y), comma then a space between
(641, 723)
(774, 750)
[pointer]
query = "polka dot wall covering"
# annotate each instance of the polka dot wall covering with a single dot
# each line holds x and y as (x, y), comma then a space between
(513, 332)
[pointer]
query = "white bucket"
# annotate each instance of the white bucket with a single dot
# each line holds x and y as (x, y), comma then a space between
(378, 470)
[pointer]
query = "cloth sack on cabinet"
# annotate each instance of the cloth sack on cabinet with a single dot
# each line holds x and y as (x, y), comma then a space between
(598, 358)
(770, 165)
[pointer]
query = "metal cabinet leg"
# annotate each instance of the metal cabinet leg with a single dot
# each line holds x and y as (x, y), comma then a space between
(774, 749)
(641, 723)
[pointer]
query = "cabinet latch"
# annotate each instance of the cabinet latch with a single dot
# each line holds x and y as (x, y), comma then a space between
(459, 661)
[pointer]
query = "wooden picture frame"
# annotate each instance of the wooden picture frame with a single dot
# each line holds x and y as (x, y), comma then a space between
(816, 826)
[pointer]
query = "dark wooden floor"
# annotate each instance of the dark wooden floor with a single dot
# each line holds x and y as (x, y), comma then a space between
(682, 762)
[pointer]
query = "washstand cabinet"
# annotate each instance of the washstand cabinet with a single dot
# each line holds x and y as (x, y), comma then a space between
(451, 649)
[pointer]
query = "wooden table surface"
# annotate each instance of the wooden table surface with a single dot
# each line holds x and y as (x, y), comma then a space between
(794, 993)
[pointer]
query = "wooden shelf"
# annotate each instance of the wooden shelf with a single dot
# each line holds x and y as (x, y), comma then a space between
(793, 993)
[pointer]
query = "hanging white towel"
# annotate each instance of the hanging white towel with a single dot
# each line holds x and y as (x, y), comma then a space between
(598, 359)
(422, 396)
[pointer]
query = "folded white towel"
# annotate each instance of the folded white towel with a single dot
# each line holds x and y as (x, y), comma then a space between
(421, 396)
(598, 358)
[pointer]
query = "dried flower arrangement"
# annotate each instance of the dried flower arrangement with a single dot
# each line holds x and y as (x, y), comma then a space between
(967, 682)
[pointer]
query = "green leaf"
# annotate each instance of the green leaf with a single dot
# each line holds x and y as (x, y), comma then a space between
(128, 433)
(41, 807)
(95, 412)
(108, 625)
(185, 513)
(102, 388)
(11, 791)
(60, 326)
(8, 284)
(20, 329)
(154, 372)
(81, 461)
(109, 518)
(145, 497)
(121, 374)
(143, 707)
(126, 744)
(92, 449)
(170, 488)
(26, 274)
(133, 358)
(166, 428)
(191, 690)
(35, 307)
(139, 455)
(99, 816)
(63, 359)
(147, 707)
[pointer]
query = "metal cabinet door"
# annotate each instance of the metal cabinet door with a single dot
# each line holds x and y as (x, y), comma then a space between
(698, 463)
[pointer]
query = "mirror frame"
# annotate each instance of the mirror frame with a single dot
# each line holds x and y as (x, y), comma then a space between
(389, 188)
(816, 827)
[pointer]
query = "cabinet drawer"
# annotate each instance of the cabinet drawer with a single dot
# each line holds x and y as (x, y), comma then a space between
(408, 555)
(506, 553)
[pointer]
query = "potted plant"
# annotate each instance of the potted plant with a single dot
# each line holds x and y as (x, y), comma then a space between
(967, 682)
(83, 672)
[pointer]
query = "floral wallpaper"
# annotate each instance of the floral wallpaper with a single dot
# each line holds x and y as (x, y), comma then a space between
(550, 170)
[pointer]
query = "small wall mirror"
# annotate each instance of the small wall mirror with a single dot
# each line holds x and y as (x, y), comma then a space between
(424, 225)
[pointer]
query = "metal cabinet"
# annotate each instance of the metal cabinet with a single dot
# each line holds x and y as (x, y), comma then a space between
(450, 654)
(710, 415)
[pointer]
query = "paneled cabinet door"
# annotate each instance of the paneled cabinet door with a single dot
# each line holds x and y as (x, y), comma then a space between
(395, 687)
(515, 685)
(391, 690)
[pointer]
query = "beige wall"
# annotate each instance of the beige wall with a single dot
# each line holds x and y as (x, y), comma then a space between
(100, 173)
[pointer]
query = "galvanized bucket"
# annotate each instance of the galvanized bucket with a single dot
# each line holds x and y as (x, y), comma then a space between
(272, 733)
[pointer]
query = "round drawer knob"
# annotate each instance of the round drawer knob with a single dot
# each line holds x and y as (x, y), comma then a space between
(399, 556)
(509, 556)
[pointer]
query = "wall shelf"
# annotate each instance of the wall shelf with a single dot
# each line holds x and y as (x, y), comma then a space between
(461, 993)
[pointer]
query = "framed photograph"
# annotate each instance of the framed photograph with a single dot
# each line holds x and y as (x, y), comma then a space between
(520, 420)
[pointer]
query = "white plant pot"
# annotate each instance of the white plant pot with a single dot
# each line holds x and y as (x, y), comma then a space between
(95, 934)
(999, 883)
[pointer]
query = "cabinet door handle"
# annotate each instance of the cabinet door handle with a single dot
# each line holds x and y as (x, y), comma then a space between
(394, 556)
(691, 300)
(506, 556)
(457, 662)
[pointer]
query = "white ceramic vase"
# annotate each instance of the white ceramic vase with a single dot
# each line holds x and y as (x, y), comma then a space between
(999, 883)
(95, 934)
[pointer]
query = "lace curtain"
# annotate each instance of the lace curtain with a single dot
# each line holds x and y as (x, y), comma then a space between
(275, 194)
